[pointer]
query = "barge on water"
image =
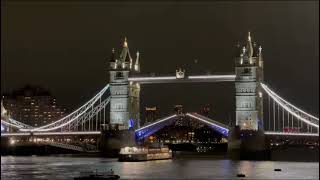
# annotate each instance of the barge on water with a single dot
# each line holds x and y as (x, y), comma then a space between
(144, 154)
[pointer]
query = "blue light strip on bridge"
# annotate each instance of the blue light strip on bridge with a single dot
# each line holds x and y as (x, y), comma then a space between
(167, 118)
(222, 130)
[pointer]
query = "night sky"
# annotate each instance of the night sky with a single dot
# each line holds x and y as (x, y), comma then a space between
(64, 47)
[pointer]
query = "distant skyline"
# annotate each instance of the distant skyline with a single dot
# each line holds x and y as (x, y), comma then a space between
(65, 47)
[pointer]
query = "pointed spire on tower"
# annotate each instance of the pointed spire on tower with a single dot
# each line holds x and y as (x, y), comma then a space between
(125, 43)
(241, 54)
(260, 53)
(249, 46)
(125, 57)
(243, 50)
(131, 63)
(260, 50)
(137, 64)
(113, 56)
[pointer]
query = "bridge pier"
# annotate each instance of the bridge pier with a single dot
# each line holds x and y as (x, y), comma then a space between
(247, 145)
(113, 139)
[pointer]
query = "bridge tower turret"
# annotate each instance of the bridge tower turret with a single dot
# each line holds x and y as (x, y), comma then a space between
(260, 80)
(249, 74)
(246, 140)
(124, 103)
(134, 96)
(119, 73)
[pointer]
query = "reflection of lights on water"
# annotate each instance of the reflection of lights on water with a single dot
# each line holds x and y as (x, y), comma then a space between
(245, 167)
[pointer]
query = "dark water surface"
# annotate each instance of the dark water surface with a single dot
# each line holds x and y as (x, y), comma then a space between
(54, 167)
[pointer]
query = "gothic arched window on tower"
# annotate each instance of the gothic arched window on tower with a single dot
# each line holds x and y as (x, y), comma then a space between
(247, 70)
(119, 75)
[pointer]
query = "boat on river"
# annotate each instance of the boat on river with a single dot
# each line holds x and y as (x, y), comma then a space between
(144, 154)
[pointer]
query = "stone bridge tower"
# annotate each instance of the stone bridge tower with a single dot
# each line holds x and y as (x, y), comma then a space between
(246, 140)
(249, 74)
(124, 103)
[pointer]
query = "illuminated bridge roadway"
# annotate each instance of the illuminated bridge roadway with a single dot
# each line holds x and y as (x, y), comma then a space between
(186, 79)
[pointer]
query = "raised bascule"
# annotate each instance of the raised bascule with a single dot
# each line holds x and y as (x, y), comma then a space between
(252, 97)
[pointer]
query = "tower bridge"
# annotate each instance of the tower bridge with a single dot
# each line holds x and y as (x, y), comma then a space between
(122, 95)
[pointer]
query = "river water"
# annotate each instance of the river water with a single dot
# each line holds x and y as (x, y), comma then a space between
(55, 167)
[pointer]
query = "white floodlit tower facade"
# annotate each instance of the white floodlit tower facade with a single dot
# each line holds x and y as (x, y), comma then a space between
(249, 74)
(122, 112)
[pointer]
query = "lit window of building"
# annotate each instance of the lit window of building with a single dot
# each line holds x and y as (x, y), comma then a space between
(30, 103)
